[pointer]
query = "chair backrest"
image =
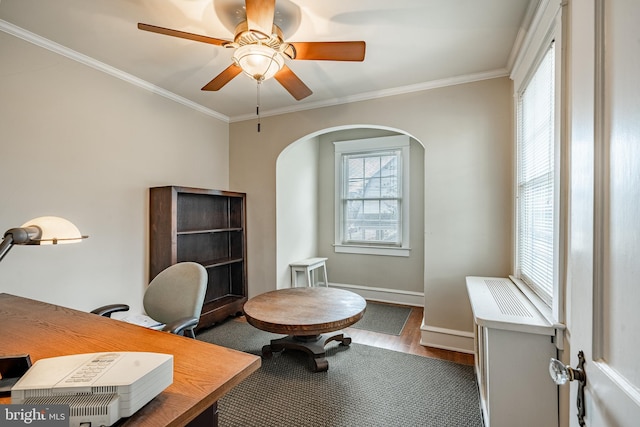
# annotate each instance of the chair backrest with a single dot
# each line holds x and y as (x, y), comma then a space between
(176, 292)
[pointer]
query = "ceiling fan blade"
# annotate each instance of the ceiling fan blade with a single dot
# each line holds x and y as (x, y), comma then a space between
(182, 34)
(329, 51)
(260, 15)
(292, 83)
(223, 78)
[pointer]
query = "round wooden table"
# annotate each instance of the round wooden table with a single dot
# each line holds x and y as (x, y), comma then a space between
(311, 317)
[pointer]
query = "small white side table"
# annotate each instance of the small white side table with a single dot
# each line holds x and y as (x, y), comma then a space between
(308, 267)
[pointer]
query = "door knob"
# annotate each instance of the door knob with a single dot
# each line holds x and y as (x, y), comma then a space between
(560, 374)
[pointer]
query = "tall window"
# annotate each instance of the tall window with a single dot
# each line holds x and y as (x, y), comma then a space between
(537, 226)
(371, 189)
(372, 198)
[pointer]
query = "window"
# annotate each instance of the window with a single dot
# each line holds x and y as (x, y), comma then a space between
(372, 201)
(536, 180)
(371, 198)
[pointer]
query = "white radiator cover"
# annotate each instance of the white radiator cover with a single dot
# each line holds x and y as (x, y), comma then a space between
(513, 345)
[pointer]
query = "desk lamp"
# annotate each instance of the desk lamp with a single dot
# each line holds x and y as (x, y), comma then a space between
(45, 230)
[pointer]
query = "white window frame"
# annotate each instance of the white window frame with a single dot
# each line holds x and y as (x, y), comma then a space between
(343, 148)
(540, 269)
(547, 28)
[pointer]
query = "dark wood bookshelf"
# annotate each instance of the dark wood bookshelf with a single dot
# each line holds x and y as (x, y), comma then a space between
(208, 227)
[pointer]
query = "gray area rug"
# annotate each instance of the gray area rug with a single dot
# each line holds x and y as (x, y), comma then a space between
(383, 318)
(365, 386)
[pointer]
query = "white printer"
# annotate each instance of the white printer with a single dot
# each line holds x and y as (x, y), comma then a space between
(100, 388)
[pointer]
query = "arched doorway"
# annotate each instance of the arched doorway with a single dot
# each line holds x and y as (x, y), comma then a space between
(305, 222)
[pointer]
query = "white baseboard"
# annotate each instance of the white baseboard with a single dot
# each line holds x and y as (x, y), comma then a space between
(446, 339)
(392, 296)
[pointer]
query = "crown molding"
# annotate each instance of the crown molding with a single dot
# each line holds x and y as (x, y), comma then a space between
(37, 40)
(523, 32)
(91, 62)
(434, 84)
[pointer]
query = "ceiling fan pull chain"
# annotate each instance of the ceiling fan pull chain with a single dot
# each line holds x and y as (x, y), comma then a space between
(258, 104)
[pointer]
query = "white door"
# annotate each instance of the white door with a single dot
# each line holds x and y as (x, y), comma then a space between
(604, 239)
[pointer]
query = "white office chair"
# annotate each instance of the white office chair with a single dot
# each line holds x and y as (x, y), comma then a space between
(173, 298)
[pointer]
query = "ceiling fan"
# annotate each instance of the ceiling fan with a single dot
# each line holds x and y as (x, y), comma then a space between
(260, 50)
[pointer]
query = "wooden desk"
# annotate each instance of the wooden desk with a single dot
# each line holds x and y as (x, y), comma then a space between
(202, 374)
(306, 314)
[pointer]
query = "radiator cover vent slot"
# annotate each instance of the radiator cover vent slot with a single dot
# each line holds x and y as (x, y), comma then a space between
(507, 301)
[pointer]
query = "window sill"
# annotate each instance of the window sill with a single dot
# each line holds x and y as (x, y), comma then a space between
(372, 250)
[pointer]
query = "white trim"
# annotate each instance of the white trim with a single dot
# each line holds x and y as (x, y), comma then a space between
(447, 339)
(563, 165)
(523, 32)
(371, 144)
(544, 25)
(601, 186)
(547, 26)
(105, 68)
(434, 84)
(364, 145)
(371, 250)
(392, 296)
(619, 380)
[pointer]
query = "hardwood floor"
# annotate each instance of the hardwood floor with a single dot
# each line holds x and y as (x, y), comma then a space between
(408, 341)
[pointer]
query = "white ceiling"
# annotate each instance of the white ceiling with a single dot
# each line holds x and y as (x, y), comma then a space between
(411, 45)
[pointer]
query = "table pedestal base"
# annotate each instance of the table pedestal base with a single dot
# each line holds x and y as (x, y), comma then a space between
(313, 345)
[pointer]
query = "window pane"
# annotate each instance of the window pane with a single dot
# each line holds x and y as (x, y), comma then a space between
(371, 166)
(356, 188)
(371, 208)
(356, 168)
(389, 187)
(372, 188)
(388, 165)
(389, 209)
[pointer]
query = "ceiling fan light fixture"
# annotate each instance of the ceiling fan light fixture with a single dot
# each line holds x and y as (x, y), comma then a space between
(258, 61)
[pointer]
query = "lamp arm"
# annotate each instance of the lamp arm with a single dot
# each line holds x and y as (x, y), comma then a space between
(17, 236)
(5, 245)
(22, 235)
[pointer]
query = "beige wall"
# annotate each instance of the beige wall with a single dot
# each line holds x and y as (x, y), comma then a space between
(297, 206)
(77, 143)
(466, 130)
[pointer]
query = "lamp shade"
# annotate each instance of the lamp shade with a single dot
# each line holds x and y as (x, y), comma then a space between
(258, 61)
(53, 230)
